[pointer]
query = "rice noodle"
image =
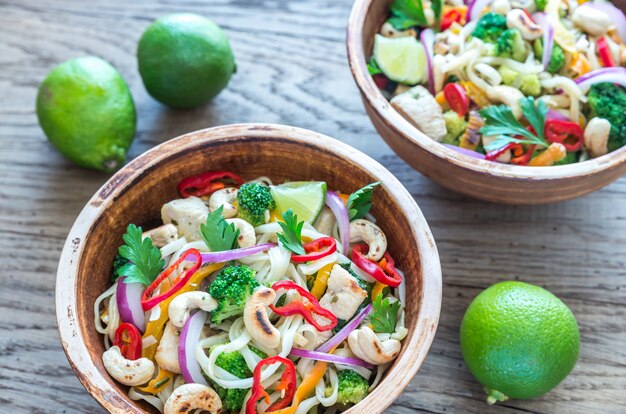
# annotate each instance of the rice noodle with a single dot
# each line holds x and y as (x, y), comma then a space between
(526, 68)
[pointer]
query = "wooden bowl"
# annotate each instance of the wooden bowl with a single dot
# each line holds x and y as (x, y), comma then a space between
(136, 193)
(482, 179)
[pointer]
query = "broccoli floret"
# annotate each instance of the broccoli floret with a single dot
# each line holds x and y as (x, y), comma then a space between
(118, 263)
(490, 27)
(528, 84)
(253, 200)
(455, 125)
(234, 363)
(511, 45)
(231, 289)
(352, 387)
(608, 101)
(557, 57)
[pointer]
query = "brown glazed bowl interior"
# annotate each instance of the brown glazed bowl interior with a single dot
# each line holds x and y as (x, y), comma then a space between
(502, 183)
(136, 193)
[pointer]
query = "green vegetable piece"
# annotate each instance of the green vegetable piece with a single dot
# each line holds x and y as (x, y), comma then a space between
(608, 101)
(144, 261)
(235, 364)
(570, 158)
(437, 6)
(455, 125)
(118, 262)
(541, 4)
(360, 202)
(352, 387)
(511, 45)
(490, 27)
(253, 200)
(291, 237)
(232, 287)
(407, 13)
(217, 233)
(557, 57)
(384, 315)
(528, 84)
(372, 67)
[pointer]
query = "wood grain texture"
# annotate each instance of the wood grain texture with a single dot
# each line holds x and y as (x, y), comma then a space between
(292, 69)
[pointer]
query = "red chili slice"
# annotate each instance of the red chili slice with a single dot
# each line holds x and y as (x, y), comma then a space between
(457, 98)
(307, 310)
(384, 271)
(206, 183)
(316, 250)
(287, 385)
(568, 133)
(128, 339)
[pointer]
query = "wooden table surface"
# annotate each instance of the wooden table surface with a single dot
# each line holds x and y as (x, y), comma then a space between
(293, 70)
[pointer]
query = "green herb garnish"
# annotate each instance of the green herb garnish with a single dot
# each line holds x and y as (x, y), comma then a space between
(217, 233)
(360, 202)
(373, 68)
(384, 315)
(291, 237)
(144, 259)
(407, 13)
(500, 122)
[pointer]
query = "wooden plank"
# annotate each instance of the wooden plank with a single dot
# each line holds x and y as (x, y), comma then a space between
(292, 69)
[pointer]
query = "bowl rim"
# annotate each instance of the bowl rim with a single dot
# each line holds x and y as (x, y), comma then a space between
(372, 95)
(71, 335)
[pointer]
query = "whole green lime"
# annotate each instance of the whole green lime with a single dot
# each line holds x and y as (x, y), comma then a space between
(185, 60)
(86, 111)
(519, 340)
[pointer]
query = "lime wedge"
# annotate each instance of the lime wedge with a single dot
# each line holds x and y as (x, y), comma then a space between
(305, 198)
(402, 59)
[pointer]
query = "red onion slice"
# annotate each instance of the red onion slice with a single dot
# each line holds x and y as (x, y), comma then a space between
(616, 15)
(548, 37)
(345, 331)
(189, 337)
(129, 303)
(552, 114)
(228, 255)
(610, 75)
(428, 41)
(475, 8)
(336, 205)
(336, 359)
(465, 151)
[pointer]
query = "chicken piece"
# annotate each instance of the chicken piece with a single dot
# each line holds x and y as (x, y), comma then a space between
(421, 109)
(162, 235)
(343, 295)
(186, 214)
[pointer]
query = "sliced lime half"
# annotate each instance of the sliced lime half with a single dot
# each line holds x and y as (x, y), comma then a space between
(402, 59)
(305, 198)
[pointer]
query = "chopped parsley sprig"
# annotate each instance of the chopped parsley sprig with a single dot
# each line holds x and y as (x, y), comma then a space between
(384, 315)
(144, 259)
(360, 202)
(291, 237)
(407, 13)
(217, 233)
(501, 122)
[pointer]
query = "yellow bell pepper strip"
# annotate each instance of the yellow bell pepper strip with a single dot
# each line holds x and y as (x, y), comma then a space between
(306, 387)
(159, 383)
(475, 94)
(471, 136)
(319, 287)
(155, 328)
(555, 152)
(579, 65)
(377, 290)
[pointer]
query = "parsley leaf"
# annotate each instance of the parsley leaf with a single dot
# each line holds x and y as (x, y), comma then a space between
(217, 233)
(291, 237)
(372, 67)
(407, 13)
(385, 315)
(360, 202)
(500, 122)
(144, 259)
(437, 6)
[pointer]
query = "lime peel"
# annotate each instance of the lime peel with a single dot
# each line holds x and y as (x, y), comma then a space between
(402, 59)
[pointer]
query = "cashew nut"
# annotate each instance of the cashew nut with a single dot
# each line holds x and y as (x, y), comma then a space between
(191, 397)
(127, 371)
(366, 345)
(370, 233)
(501, 7)
(505, 157)
(388, 30)
(179, 308)
(325, 222)
(508, 96)
(518, 19)
(247, 236)
(167, 351)
(597, 136)
(162, 235)
(593, 21)
(256, 320)
(224, 198)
